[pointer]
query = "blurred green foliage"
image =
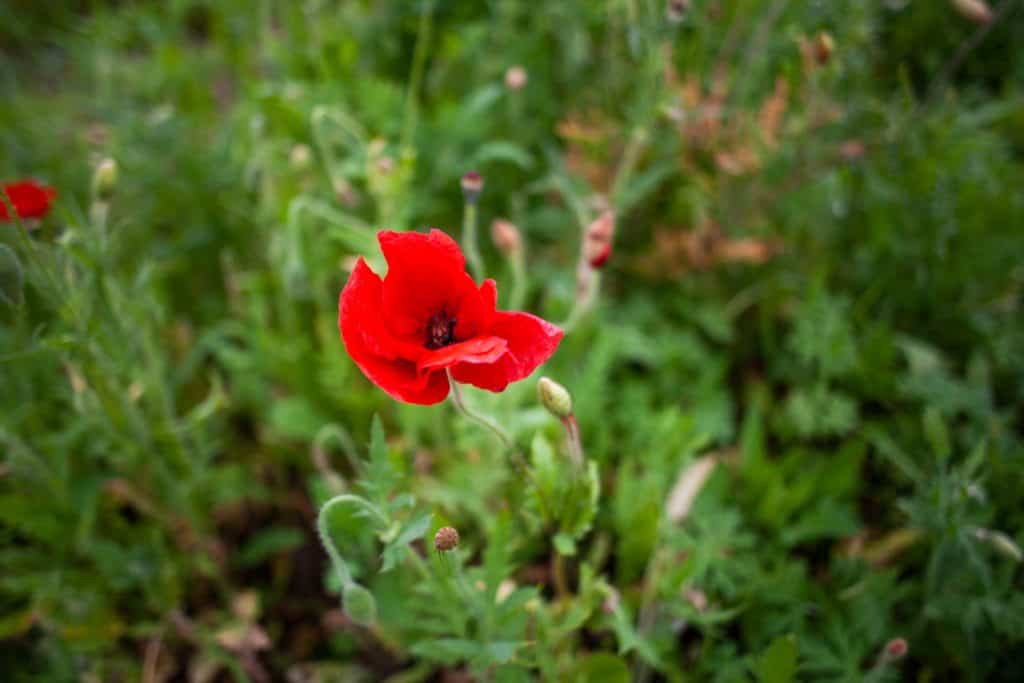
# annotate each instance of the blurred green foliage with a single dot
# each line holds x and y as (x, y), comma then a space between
(812, 317)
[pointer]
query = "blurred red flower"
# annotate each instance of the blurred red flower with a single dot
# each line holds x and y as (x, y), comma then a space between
(428, 316)
(30, 199)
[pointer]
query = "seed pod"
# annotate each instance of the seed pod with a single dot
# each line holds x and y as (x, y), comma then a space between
(446, 538)
(554, 397)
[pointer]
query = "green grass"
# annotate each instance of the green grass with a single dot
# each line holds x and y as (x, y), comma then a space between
(815, 293)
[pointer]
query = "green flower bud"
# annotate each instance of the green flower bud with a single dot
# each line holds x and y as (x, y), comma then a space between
(359, 604)
(554, 397)
(104, 179)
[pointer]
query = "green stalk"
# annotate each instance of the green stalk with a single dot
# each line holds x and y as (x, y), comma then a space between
(458, 400)
(469, 240)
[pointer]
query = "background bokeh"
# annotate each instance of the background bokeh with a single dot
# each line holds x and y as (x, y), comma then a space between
(814, 299)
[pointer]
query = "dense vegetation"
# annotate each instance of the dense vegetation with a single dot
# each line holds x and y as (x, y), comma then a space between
(798, 388)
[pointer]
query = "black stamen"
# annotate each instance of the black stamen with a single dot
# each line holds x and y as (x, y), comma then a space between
(440, 331)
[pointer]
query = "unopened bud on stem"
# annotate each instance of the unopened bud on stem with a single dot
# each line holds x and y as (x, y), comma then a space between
(515, 78)
(895, 650)
(823, 47)
(506, 237)
(104, 179)
(597, 241)
(300, 157)
(554, 397)
(675, 10)
(472, 184)
(976, 10)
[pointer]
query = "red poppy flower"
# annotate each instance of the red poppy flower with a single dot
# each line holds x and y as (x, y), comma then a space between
(427, 316)
(30, 199)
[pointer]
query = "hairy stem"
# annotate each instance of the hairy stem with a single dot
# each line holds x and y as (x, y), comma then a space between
(469, 241)
(572, 437)
(458, 400)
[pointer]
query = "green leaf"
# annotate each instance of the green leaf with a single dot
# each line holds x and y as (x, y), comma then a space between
(777, 664)
(602, 667)
(937, 433)
(270, 541)
(12, 278)
(564, 544)
(502, 150)
(413, 530)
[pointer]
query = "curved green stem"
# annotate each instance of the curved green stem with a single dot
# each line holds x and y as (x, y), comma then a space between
(458, 400)
(340, 566)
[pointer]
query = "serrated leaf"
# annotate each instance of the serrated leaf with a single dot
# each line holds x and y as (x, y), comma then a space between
(269, 541)
(413, 530)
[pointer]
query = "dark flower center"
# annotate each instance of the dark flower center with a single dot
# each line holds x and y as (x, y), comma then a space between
(440, 331)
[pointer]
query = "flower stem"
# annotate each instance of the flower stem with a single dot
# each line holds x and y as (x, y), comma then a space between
(469, 240)
(419, 60)
(518, 262)
(458, 400)
(340, 566)
(572, 436)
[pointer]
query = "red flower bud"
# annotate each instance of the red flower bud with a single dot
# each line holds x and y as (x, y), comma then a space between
(597, 241)
(895, 649)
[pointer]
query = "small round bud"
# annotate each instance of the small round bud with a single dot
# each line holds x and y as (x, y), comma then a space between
(104, 179)
(301, 156)
(895, 649)
(1001, 543)
(597, 241)
(446, 538)
(384, 165)
(975, 10)
(823, 47)
(516, 78)
(675, 10)
(472, 184)
(506, 237)
(554, 397)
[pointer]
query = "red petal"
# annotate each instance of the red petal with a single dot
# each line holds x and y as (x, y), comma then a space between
(427, 276)
(474, 351)
(30, 199)
(375, 350)
(531, 341)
